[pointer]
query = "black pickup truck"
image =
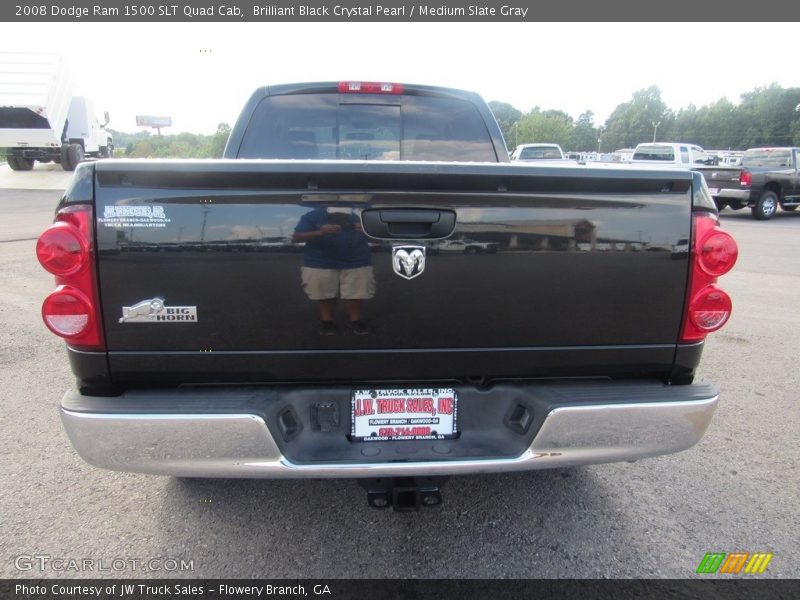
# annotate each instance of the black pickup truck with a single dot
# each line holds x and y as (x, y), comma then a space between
(726, 186)
(773, 177)
(768, 178)
(199, 304)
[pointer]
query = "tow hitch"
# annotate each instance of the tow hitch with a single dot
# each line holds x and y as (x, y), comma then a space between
(403, 494)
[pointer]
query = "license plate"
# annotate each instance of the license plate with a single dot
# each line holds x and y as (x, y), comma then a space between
(381, 415)
(714, 191)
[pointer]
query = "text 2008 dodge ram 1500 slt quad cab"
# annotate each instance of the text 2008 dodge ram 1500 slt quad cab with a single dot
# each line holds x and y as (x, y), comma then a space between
(199, 300)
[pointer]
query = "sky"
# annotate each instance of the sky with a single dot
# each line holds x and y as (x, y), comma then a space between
(201, 74)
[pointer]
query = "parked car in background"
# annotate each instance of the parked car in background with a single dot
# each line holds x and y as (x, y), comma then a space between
(723, 181)
(731, 158)
(466, 246)
(726, 186)
(527, 152)
(623, 154)
(773, 178)
(681, 248)
(670, 154)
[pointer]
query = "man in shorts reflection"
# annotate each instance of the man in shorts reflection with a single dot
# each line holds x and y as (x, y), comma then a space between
(337, 263)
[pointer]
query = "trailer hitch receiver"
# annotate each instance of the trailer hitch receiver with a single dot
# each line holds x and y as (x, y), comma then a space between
(403, 494)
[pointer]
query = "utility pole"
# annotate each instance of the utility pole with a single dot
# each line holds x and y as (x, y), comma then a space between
(655, 129)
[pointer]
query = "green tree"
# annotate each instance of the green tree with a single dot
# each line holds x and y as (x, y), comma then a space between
(218, 140)
(638, 120)
(181, 145)
(176, 149)
(584, 134)
(769, 114)
(720, 126)
(687, 126)
(143, 149)
(551, 126)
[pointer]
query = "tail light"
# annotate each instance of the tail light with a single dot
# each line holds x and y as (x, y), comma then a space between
(369, 87)
(65, 249)
(67, 312)
(745, 178)
(714, 252)
(62, 249)
(710, 309)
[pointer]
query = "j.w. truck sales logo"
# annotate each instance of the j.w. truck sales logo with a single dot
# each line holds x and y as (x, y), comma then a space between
(734, 563)
(134, 216)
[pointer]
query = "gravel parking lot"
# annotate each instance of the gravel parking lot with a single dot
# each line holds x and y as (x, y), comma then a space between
(735, 491)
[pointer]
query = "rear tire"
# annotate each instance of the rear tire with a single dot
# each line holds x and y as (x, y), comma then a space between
(65, 158)
(25, 164)
(71, 155)
(790, 208)
(766, 207)
(19, 163)
(720, 204)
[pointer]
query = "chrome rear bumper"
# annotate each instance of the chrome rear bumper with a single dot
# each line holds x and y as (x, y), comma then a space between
(742, 195)
(240, 444)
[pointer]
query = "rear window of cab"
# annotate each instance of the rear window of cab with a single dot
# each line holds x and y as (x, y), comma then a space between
(767, 158)
(664, 153)
(339, 127)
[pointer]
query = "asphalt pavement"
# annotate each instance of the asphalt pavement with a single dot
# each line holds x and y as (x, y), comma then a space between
(735, 491)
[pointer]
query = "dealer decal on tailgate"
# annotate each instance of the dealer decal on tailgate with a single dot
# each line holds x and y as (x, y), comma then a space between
(404, 414)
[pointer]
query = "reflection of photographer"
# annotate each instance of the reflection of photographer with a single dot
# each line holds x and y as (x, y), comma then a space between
(336, 264)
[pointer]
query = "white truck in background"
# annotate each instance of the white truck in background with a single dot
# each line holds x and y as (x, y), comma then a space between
(670, 154)
(40, 119)
(84, 129)
(528, 152)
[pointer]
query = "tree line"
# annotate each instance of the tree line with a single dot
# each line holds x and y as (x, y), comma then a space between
(766, 116)
(180, 145)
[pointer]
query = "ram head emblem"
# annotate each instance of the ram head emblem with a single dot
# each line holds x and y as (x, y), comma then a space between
(146, 309)
(408, 261)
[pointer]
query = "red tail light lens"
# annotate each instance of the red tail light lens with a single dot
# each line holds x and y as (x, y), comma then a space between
(717, 252)
(369, 87)
(65, 249)
(61, 249)
(745, 178)
(710, 309)
(714, 252)
(67, 312)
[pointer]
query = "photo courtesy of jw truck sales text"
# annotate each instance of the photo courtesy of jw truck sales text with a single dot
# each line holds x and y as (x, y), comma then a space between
(332, 340)
(139, 590)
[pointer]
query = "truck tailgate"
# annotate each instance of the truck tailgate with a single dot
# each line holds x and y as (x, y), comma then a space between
(721, 178)
(570, 271)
